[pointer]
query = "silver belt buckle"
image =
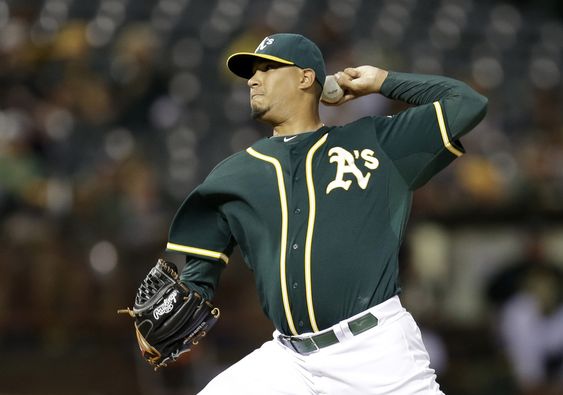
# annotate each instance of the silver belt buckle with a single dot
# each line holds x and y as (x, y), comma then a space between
(291, 342)
(314, 343)
(286, 341)
(306, 342)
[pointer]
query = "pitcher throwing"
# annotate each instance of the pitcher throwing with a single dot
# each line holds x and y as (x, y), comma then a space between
(319, 213)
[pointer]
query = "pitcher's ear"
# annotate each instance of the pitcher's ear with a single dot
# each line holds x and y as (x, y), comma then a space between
(308, 78)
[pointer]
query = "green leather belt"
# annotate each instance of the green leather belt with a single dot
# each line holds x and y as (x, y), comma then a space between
(308, 345)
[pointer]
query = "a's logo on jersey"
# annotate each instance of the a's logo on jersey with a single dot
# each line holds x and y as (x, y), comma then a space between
(346, 167)
(265, 42)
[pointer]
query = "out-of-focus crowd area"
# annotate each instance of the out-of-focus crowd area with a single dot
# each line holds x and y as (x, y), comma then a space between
(111, 111)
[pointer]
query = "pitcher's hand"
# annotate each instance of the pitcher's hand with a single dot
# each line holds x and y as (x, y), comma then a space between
(359, 81)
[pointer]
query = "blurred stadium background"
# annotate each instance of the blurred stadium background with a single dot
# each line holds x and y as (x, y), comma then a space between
(111, 111)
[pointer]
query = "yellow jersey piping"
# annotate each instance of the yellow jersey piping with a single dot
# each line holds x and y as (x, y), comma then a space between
(283, 242)
(310, 230)
(445, 139)
(197, 251)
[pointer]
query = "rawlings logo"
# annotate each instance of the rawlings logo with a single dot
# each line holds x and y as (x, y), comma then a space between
(166, 306)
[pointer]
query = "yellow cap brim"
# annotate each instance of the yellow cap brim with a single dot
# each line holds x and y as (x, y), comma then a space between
(241, 63)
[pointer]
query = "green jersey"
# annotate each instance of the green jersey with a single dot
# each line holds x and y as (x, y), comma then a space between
(320, 216)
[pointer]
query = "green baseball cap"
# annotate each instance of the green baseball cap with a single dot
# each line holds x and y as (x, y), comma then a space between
(286, 48)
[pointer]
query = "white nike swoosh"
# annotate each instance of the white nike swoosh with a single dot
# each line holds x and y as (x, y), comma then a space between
(286, 139)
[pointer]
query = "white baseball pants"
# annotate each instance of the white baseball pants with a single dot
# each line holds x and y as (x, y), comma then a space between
(387, 359)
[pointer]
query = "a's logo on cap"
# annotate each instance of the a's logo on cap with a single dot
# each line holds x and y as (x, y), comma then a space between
(265, 42)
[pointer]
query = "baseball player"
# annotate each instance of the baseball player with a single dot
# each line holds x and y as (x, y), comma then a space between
(319, 213)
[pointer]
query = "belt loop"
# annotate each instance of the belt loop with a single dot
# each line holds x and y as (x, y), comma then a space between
(343, 330)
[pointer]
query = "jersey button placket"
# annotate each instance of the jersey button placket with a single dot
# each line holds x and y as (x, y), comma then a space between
(297, 200)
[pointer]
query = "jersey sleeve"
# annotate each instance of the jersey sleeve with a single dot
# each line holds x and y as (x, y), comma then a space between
(200, 230)
(424, 139)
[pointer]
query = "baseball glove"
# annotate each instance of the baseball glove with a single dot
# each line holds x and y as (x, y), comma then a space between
(169, 317)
